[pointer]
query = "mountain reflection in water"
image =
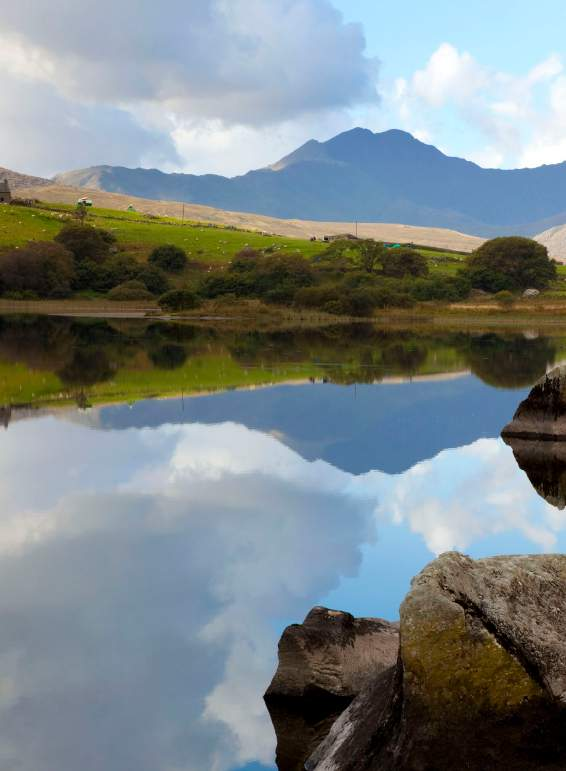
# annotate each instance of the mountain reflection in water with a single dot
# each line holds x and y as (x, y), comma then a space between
(151, 555)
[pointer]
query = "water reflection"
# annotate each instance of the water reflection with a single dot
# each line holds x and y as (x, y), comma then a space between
(544, 463)
(141, 600)
(47, 360)
(151, 552)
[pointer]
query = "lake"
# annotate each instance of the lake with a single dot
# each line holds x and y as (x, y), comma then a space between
(173, 496)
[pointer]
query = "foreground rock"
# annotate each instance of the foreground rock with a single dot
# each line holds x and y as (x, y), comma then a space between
(323, 664)
(542, 415)
(481, 677)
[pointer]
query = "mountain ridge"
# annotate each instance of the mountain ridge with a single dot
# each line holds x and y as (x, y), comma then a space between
(359, 175)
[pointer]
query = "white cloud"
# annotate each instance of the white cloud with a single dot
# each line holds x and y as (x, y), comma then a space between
(200, 65)
(489, 116)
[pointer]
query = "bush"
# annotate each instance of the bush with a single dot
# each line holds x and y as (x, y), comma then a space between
(512, 263)
(130, 290)
(451, 289)
(398, 263)
(85, 242)
(168, 257)
(505, 298)
(342, 301)
(43, 268)
(178, 300)
(154, 279)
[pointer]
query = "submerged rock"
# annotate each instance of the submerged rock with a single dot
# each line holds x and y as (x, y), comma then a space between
(481, 677)
(323, 664)
(542, 415)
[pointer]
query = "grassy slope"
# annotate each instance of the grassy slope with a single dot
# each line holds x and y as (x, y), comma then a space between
(205, 244)
(139, 233)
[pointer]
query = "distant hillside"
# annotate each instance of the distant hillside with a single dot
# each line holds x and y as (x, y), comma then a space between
(358, 175)
(17, 180)
(439, 238)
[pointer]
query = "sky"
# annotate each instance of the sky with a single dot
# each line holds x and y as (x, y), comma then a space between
(223, 86)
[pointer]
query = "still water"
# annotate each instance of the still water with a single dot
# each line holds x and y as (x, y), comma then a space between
(153, 549)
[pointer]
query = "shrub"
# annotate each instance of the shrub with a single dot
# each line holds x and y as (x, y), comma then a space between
(43, 268)
(398, 263)
(505, 298)
(154, 279)
(168, 257)
(451, 289)
(85, 242)
(178, 300)
(511, 263)
(130, 290)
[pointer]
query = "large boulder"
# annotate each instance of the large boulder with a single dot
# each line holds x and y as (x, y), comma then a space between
(542, 415)
(323, 664)
(481, 677)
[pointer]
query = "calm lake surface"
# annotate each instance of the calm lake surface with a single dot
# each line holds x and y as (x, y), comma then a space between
(153, 549)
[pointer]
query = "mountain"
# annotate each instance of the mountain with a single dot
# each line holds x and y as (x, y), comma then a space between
(17, 180)
(359, 175)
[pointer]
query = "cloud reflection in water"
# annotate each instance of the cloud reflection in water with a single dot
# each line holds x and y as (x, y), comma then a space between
(145, 575)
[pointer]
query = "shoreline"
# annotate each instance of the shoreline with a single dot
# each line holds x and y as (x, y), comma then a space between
(259, 316)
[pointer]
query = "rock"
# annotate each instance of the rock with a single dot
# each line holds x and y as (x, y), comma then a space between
(481, 677)
(528, 293)
(542, 415)
(544, 463)
(323, 664)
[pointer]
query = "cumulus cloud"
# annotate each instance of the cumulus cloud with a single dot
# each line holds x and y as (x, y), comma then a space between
(503, 119)
(188, 63)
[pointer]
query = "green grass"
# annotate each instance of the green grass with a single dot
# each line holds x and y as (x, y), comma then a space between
(140, 233)
(18, 225)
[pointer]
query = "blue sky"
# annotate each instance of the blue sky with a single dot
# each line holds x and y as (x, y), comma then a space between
(233, 86)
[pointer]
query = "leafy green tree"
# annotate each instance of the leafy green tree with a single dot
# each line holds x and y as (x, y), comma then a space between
(42, 268)
(154, 279)
(85, 242)
(398, 263)
(178, 300)
(168, 257)
(371, 255)
(510, 263)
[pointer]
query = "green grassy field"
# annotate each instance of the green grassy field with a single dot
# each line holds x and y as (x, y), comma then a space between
(141, 233)
(138, 233)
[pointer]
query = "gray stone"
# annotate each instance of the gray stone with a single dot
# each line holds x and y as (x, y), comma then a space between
(528, 293)
(481, 677)
(323, 664)
(542, 415)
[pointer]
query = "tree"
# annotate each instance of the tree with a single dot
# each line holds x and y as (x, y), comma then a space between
(398, 263)
(510, 263)
(371, 254)
(168, 257)
(85, 242)
(42, 268)
(154, 279)
(178, 300)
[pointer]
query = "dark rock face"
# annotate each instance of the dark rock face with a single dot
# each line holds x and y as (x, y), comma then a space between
(544, 463)
(481, 677)
(542, 415)
(323, 664)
